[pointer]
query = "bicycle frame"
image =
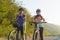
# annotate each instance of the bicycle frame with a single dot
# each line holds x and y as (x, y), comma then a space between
(37, 31)
(14, 31)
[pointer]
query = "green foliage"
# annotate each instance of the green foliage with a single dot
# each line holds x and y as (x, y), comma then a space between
(5, 30)
(8, 12)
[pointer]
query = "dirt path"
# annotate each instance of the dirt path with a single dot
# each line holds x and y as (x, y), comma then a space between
(3, 39)
(45, 38)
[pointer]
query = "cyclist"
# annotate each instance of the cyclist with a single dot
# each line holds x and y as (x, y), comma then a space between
(20, 18)
(38, 18)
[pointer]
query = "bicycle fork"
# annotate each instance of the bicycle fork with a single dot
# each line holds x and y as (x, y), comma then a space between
(38, 33)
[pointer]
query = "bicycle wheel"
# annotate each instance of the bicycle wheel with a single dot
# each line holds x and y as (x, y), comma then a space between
(35, 36)
(25, 38)
(12, 35)
(38, 36)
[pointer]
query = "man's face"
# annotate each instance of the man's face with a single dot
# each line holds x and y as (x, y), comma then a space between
(20, 12)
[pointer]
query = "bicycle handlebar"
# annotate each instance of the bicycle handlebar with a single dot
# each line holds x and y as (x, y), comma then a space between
(44, 22)
(36, 22)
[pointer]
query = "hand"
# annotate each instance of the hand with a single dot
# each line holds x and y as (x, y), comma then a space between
(44, 22)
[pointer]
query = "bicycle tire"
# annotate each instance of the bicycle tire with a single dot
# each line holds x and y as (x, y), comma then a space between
(34, 36)
(11, 38)
(25, 38)
(38, 37)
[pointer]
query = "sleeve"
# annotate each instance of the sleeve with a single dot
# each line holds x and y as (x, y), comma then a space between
(42, 18)
(24, 16)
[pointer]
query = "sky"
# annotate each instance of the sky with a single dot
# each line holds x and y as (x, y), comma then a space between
(50, 9)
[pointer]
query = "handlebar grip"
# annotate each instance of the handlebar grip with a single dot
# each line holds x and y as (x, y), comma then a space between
(44, 22)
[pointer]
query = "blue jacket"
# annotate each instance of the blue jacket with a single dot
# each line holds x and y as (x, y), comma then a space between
(20, 19)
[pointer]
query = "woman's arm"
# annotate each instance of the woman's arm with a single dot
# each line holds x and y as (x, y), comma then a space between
(43, 19)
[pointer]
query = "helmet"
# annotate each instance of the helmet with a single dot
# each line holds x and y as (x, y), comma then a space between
(21, 9)
(38, 10)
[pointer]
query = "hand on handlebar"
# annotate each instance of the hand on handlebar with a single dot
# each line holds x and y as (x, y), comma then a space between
(44, 22)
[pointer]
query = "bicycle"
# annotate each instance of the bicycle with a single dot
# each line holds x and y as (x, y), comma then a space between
(36, 35)
(12, 34)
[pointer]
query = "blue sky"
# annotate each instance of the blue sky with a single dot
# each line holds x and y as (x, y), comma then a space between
(50, 9)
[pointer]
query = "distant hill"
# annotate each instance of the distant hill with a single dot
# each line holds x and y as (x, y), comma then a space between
(51, 29)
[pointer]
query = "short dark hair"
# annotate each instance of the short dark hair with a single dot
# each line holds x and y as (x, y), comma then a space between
(21, 9)
(38, 10)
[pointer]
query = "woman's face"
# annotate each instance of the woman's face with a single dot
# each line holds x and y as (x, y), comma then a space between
(38, 13)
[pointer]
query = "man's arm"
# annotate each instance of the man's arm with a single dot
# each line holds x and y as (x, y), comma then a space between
(24, 19)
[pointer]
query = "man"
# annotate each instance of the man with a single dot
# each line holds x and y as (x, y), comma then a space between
(38, 18)
(20, 18)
